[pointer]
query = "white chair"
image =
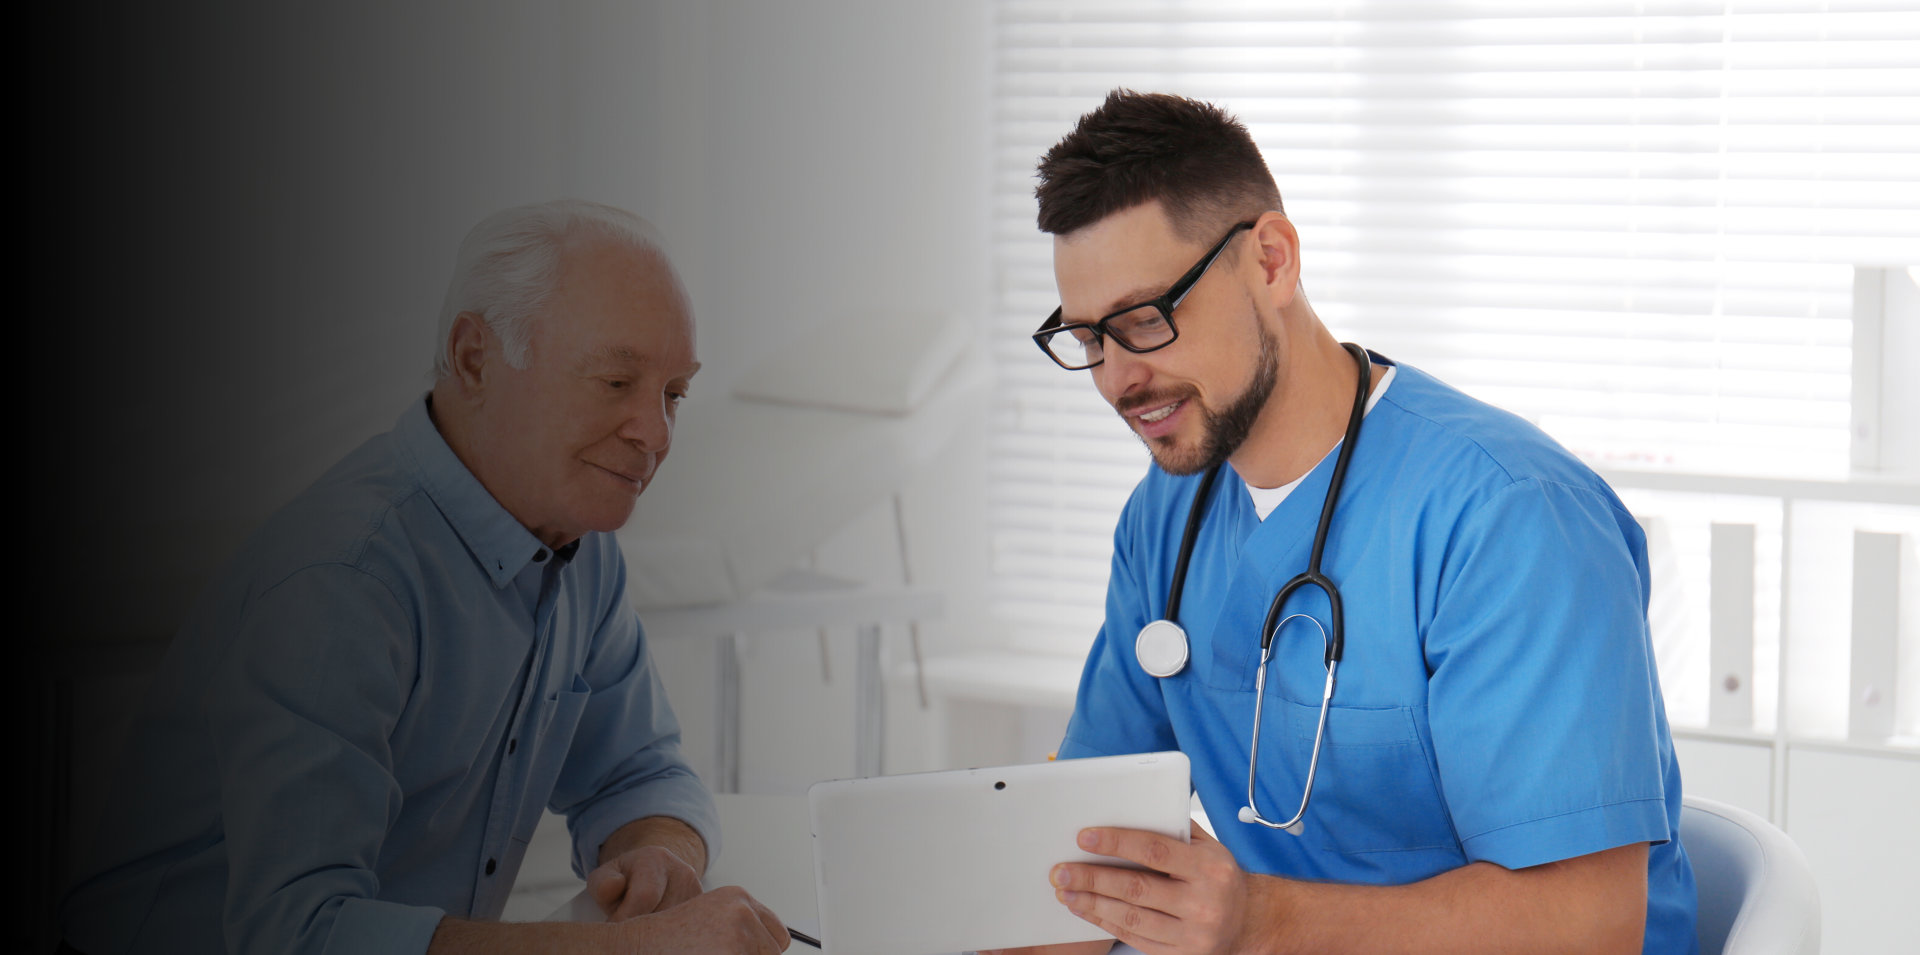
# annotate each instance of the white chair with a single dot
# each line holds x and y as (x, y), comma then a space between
(1757, 894)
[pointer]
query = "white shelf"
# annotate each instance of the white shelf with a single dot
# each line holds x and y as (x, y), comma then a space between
(1858, 489)
(1008, 677)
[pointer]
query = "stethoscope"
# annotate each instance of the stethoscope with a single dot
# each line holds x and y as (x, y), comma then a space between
(1162, 644)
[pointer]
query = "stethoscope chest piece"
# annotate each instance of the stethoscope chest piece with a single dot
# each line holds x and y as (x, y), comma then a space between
(1161, 648)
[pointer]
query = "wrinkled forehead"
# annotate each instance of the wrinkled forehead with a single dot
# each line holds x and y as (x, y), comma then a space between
(615, 303)
(663, 362)
(638, 268)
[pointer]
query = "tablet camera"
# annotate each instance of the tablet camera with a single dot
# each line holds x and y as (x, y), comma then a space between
(1000, 785)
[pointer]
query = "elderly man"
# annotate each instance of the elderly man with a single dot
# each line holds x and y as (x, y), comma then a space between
(1482, 764)
(353, 736)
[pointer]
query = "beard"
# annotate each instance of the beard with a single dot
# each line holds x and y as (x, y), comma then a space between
(1224, 431)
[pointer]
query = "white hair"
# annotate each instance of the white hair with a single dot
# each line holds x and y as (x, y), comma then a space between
(509, 265)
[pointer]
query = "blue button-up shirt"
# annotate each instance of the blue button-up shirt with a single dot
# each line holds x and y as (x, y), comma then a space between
(356, 729)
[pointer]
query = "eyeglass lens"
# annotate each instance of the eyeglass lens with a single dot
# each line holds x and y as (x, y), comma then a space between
(1140, 329)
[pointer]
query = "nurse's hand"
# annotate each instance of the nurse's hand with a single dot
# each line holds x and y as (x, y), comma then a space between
(1195, 899)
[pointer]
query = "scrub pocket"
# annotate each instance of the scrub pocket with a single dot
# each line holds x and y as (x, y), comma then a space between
(1375, 789)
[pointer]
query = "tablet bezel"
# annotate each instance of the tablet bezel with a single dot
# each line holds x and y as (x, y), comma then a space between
(958, 860)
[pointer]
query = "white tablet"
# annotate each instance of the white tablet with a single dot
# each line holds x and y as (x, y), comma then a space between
(953, 861)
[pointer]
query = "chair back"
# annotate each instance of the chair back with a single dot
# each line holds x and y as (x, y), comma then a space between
(1757, 894)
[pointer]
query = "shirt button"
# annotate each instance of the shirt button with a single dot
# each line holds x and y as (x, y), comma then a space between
(540, 556)
(490, 866)
(512, 745)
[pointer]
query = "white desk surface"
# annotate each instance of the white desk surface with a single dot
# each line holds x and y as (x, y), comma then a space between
(766, 848)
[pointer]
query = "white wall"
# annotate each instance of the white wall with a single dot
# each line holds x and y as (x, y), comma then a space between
(806, 160)
(310, 177)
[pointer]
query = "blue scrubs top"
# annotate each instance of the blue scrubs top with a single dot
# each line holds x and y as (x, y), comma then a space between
(1497, 700)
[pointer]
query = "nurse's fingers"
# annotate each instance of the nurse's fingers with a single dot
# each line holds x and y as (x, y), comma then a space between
(1201, 837)
(1144, 929)
(1145, 889)
(1151, 849)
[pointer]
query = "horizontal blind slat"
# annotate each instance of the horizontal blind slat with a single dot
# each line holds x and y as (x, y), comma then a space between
(1632, 224)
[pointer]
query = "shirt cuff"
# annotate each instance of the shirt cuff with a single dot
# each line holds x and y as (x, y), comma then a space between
(1571, 834)
(383, 928)
(678, 797)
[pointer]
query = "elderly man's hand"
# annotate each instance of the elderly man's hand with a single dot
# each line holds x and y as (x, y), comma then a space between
(726, 921)
(642, 881)
(1100, 947)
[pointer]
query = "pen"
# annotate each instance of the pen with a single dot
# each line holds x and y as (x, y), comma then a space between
(800, 936)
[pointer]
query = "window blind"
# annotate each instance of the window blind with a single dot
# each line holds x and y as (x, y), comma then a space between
(1632, 223)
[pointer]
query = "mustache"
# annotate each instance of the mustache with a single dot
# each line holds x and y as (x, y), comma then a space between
(1127, 406)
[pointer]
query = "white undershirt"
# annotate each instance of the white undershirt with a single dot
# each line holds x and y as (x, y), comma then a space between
(1265, 499)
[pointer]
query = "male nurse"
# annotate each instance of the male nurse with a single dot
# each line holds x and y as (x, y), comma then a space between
(1495, 772)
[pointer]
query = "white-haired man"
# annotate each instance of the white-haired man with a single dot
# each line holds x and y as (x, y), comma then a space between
(354, 734)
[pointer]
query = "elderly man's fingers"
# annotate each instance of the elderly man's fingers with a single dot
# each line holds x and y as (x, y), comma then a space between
(683, 885)
(726, 921)
(656, 880)
(644, 886)
(773, 931)
(1099, 947)
(606, 885)
(1135, 887)
(633, 905)
(776, 927)
(1151, 849)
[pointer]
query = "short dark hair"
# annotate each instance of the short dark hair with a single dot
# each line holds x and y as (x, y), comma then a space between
(1193, 157)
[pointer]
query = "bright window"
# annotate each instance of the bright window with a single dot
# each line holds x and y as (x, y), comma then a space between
(1633, 223)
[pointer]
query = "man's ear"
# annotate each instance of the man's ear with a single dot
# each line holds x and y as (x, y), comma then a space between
(1279, 251)
(471, 348)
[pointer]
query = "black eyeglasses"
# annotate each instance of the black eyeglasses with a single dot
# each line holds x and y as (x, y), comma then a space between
(1140, 328)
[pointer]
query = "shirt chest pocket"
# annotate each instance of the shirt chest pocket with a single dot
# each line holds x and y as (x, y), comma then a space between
(1374, 789)
(555, 720)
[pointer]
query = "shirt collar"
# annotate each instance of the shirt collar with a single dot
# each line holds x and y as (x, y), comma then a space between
(501, 544)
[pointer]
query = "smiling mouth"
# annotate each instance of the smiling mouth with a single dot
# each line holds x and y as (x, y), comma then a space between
(622, 475)
(1161, 413)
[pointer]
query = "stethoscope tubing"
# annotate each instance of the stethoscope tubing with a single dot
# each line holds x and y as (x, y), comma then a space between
(1333, 638)
(1252, 814)
(1337, 643)
(1195, 514)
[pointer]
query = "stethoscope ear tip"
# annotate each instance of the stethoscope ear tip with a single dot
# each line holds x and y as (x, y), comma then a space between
(1246, 814)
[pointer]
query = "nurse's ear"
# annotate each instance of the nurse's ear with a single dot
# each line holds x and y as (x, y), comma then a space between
(1278, 249)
